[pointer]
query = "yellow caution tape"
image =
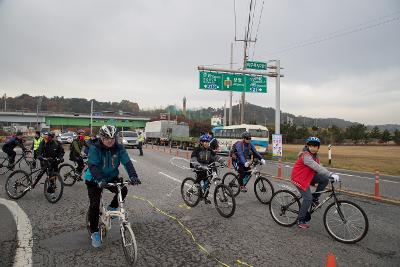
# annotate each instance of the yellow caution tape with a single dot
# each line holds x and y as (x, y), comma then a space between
(187, 230)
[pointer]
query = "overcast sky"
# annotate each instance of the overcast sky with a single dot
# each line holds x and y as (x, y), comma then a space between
(341, 58)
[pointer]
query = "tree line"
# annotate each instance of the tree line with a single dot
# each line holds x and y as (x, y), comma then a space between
(357, 133)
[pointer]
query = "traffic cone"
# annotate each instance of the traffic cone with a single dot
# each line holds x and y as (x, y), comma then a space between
(229, 162)
(377, 191)
(330, 261)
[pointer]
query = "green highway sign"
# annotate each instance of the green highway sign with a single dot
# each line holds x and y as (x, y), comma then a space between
(256, 84)
(256, 65)
(232, 82)
(210, 80)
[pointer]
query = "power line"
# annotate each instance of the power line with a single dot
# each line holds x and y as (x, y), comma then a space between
(258, 26)
(339, 33)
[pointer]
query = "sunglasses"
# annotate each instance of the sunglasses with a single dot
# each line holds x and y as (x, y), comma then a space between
(249, 138)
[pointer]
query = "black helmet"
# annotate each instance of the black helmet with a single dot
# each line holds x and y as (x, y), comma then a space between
(18, 133)
(246, 135)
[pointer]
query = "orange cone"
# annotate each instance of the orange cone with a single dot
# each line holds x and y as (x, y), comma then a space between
(377, 191)
(330, 262)
(229, 162)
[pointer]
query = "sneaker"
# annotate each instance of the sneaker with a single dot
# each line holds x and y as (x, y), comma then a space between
(243, 188)
(207, 201)
(303, 225)
(96, 240)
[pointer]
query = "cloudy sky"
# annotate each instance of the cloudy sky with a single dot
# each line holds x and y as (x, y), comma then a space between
(341, 58)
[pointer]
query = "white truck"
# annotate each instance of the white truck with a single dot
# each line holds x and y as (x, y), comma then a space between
(167, 133)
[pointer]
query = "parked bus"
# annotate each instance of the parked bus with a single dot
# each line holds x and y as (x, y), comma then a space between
(228, 135)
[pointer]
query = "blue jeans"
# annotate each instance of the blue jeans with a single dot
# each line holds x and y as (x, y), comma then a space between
(322, 182)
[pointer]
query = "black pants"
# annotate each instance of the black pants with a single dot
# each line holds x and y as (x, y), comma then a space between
(11, 156)
(80, 163)
(140, 148)
(201, 175)
(243, 171)
(94, 207)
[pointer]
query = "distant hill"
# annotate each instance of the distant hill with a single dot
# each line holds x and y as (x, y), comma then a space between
(57, 104)
(253, 114)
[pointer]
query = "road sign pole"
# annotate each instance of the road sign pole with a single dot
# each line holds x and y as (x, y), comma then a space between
(278, 99)
(231, 93)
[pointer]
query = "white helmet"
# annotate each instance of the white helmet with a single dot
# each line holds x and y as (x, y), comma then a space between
(107, 131)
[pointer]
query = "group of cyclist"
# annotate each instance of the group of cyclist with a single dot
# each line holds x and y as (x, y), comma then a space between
(307, 169)
(105, 156)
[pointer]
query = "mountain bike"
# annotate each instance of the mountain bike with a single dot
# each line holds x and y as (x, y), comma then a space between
(19, 182)
(69, 174)
(192, 192)
(128, 239)
(263, 188)
(26, 158)
(344, 220)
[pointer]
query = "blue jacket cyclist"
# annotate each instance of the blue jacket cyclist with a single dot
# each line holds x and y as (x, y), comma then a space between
(242, 151)
(105, 156)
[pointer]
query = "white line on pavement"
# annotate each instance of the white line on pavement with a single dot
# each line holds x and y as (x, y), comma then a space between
(23, 254)
(170, 177)
(181, 167)
(133, 160)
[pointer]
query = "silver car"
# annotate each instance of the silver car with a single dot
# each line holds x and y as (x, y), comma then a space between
(128, 139)
(66, 138)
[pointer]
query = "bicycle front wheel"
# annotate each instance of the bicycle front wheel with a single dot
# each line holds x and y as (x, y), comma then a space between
(129, 244)
(17, 184)
(190, 191)
(284, 208)
(263, 189)
(224, 200)
(67, 173)
(230, 179)
(53, 188)
(345, 221)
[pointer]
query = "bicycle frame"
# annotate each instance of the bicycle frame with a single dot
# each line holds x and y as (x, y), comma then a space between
(106, 215)
(211, 178)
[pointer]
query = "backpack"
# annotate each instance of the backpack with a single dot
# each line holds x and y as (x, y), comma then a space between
(233, 151)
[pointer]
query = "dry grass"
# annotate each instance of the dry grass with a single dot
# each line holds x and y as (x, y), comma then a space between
(386, 159)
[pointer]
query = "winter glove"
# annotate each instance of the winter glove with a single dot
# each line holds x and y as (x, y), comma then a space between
(134, 180)
(247, 164)
(263, 161)
(101, 184)
(335, 177)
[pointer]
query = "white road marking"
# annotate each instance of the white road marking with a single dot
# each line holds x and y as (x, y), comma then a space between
(170, 177)
(23, 253)
(133, 160)
(181, 167)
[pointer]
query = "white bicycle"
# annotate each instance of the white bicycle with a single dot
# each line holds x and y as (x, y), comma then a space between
(127, 236)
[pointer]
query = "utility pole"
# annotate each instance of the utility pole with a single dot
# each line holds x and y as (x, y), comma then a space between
(230, 93)
(278, 98)
(5, 102)
(91, 117)
(39, 102)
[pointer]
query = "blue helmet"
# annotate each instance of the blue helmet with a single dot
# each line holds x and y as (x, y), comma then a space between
(313, 141)
(205, 138)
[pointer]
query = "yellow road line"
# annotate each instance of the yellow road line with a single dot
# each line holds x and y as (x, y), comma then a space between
(188, 231)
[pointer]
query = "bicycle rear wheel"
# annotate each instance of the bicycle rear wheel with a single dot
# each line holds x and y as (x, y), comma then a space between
(191, 192)
(263, 189)
(284, 208)
(129, 244)
(17, 183)
(53, 188)
(224, 200)
(345, 221)
(67, 173)
(230, 179)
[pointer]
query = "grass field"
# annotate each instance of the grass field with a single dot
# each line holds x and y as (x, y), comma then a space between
(385, 159)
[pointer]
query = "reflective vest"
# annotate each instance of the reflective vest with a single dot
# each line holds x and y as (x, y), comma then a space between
(141, 138)
(36, 143)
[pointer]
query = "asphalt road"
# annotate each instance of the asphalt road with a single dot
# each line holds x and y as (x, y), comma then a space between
(170, 234)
